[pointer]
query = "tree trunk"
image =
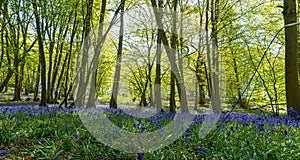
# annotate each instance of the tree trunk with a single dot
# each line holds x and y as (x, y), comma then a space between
(172, 93)
(114, 96)
(238, 87)
(51, 48)
(81, 94)
(41, 55)
(174, 48)
(291, 55)
(214, 59)
(200, 66)
(96, 57)
(171, 57)
(17, 89)
(157, 83)
(56, 93)
(74, 28)
(37, 84)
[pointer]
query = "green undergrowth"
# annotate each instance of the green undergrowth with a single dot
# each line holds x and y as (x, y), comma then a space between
(61, 135)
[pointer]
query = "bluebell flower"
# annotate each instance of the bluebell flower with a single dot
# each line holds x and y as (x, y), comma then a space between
(228, 134)
(290, 110)
(3, 152)
(75, 135)
(143, 128)
(141, 156)
(151, 122)
(187, 135)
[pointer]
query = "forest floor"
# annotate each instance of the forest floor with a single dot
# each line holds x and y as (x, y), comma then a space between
(28, 132)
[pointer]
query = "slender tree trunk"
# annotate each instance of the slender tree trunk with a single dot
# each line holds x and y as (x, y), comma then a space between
(74, 28)
(21, 76)
(10, 70)
(172, 93)
(174, 79)
(208, 48)
(199, 64)
(54, 70)
(49, 87)
(207, 77)
(2, 44)
(114, 96)
(150, 82)
(238, 88)
(51, 48)
(41, 55)
(37, 84)
(56, 93)
(62, 71)
(157, 83)
(17, 89)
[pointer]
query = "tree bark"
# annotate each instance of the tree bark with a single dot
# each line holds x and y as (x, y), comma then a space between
(37, 84)
(74, 28)
(214, 59)
(291, 56)
(171, 56)
(80, 99)
(41, 55)
(114, 96)
(96, 57)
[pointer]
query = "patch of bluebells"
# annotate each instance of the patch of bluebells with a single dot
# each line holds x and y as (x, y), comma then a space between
(244, 119)
(262, 124)
(3, 152)
(30, 111)
(259, 122)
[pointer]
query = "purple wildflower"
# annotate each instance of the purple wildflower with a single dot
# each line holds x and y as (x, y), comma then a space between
(75, 135)
(143, 128)
(3, 152)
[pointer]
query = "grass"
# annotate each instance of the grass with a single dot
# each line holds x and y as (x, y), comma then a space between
(52, 133)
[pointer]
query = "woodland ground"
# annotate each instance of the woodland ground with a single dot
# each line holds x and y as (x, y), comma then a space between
(32, 132)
